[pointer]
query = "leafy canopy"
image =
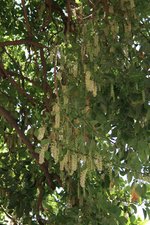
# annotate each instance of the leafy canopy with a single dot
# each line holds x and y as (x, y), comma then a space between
(75, 111)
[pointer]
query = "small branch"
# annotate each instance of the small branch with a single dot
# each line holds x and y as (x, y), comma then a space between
(16, 85)
(22, 77)
(55, 74)
(9, 216)
(12, 59)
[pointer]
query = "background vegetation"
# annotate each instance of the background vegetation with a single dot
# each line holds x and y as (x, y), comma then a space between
(74, 111)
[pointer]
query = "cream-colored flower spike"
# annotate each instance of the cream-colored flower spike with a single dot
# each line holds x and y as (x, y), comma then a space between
(90, 84)
(75, 70)
(98, 163)
(55, 151)
(94, 90)
(41, 133)
(73, 162)
(42, 153)
(132, 4)
(83, 178)
(64, 163)
(64, 89)
(56, 112)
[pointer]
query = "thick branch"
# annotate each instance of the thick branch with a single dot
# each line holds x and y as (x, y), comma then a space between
(44, 167)
(22, 42)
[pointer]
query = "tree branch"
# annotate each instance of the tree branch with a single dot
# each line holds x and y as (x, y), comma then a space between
(56, 8)
(44, 167)
(26, 19)
(9, 216)
(69, 15)
(44, 70)
(22, 42)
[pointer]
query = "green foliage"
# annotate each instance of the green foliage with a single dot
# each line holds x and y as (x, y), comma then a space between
(75, 112)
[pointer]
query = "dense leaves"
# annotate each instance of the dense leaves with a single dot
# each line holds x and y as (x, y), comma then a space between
(75, 111)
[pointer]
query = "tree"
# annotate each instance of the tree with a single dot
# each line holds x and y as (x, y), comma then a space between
(75, 111)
